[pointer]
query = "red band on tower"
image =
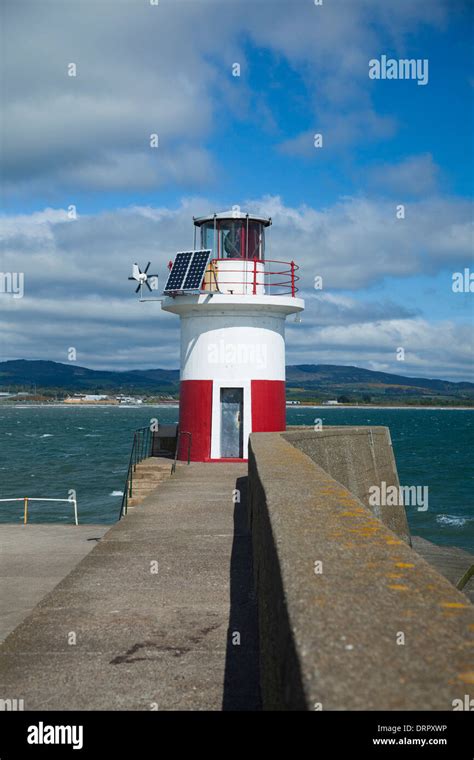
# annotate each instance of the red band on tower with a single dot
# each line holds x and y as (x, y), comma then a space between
(195, 413)
(268, 406)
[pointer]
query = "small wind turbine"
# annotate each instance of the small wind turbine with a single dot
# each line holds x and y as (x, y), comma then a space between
(141, 277)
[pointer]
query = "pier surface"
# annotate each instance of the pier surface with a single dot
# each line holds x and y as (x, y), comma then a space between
(450, 561)
(303, 598)
(33, 559)
(160, 615)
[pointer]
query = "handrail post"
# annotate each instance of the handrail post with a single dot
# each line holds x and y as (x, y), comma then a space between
(141, 448)
(178, 443)
(255, 276)
(176, 452)
(293, 279)
(25, 513)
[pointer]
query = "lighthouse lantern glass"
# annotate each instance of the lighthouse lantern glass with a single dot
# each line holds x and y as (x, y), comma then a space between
(234, 238)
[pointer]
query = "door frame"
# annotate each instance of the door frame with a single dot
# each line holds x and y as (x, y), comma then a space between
(216, 415)
(236, 444)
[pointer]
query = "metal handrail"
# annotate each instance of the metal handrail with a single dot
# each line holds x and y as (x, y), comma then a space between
(178, 440)
(287, 285)
(141, 449)
(27, 499)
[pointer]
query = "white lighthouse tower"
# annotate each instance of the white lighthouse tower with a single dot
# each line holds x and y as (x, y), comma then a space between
(232, 302)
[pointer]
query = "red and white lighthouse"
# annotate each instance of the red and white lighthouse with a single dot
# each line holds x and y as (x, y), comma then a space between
(232, 339)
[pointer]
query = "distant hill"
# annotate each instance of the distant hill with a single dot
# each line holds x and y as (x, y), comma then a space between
(70, 377)
(317, 375)
(304, 382)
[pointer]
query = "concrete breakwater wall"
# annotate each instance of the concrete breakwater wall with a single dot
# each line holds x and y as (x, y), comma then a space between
(350, 617)
(358, 458)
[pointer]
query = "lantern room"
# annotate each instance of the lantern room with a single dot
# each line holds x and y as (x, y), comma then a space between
(233, 235)
(237, 242)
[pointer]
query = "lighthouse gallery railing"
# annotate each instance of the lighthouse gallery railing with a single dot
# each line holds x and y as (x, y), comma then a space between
(280, 279)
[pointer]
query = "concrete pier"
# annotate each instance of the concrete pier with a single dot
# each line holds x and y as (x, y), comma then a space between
(33, 559)
(268, 586)
(161, 611)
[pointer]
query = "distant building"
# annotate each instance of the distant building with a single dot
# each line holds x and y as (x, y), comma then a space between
(15, 395)
(89, 398)
(332, 402)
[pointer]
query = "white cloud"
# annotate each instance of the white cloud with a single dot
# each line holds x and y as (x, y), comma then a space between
(359, 241)
(77, 292)
(414, 175)
(440, 350)
(140, 70)
(166, 69)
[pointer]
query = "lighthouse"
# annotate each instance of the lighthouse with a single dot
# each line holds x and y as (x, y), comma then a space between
(232, 302)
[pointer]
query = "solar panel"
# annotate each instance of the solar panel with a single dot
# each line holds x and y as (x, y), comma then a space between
(197, 268)
(188, 271)
(178, 271)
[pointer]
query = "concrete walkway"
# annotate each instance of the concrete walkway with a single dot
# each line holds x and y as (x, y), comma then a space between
(160, 615)
(33, 559)
(450, 561)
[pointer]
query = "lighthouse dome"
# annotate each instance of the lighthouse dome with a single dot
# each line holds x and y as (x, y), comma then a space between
(232, 214)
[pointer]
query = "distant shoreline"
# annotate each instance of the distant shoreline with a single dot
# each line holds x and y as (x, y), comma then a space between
(60, 405)
(370, 406)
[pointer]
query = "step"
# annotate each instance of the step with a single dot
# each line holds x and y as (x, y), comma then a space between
(144, 482)
(152, 476)
(141, 492)
(155, 463)
(142, 489)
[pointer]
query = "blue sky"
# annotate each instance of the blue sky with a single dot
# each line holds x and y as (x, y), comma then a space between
(244, 140)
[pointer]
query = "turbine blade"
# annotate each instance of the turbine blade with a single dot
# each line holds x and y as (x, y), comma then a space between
(146, 270)
(138, 287)
(148, 286)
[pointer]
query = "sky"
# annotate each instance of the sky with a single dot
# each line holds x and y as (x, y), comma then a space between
(382, 211)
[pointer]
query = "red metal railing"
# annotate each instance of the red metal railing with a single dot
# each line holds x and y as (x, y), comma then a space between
(275, 281)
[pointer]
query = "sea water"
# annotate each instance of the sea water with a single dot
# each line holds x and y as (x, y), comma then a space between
(47, 450)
